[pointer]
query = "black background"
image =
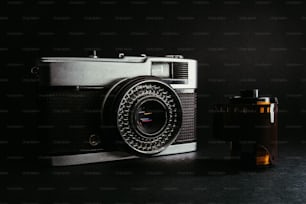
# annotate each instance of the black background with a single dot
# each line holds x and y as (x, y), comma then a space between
(238, 44)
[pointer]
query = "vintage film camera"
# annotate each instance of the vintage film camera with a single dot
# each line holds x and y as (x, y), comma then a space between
(104, 109)
(249, 122)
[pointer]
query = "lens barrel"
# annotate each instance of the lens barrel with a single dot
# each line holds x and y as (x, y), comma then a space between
(146, 113)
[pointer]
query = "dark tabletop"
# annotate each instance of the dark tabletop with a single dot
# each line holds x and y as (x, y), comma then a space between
(183, 178)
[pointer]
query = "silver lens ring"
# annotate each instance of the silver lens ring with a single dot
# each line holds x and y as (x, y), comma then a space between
(152, 92)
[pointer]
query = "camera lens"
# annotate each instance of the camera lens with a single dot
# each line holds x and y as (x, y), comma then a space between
(148, 114)
(150, 117)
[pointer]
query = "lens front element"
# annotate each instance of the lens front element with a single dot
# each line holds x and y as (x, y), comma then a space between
(150, 117)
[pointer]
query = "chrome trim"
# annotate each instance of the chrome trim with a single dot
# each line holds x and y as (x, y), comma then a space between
(272, 107)
(74, 71)
(128, 59)
(77, 159)
(179, 148)
(185, 90)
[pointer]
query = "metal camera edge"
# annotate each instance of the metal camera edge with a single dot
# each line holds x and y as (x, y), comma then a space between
(91, 71)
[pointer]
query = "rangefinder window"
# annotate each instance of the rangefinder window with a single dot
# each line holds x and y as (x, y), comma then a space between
(160, 69)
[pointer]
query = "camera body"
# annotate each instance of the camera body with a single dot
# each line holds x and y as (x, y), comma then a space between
(104, 109)
(250, 123)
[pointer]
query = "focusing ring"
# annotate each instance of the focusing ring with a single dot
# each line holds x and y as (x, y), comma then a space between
(134, 139)
(121, 104)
